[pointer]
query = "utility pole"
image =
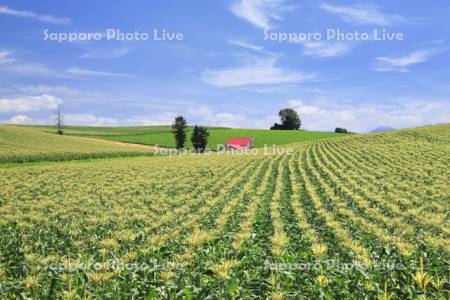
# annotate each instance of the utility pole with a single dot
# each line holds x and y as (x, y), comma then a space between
(59, 121)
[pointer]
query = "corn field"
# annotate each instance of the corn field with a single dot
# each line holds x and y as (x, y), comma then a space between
(21, 145)
(348, 218)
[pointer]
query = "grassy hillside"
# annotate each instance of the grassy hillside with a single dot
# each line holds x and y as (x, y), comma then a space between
(162, 135)
(360, 217)
(219, 137)
(90, 131)
(19, 144)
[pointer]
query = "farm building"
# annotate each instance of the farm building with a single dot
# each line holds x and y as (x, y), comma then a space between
(240, 143)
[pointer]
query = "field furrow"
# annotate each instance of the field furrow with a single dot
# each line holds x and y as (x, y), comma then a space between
(328, 211)
(402, 172)
(392, 208)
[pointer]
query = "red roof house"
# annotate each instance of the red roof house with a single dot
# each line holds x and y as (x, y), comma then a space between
(240, 143)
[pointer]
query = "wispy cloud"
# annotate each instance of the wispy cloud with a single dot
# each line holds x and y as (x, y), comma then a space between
(11, 65)
(29, 69)
(325, 49)
(363, 14)
(8, 63)
(47, 89)
(254, 71)
(90, 72)
(400, 64)
(260, 13)
(29, 14)
(244, 44)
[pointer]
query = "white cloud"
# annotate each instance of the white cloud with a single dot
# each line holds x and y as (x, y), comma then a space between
(295, 103)
(237, 120)
(89, 119)
(260, 13)
(89, 72)
(29, 14)
(317, 115)
(200, 111)
(207, 116)
(365, 117)
(254, 71)
(308, 109)
(73, 96)
(244, 44)
(28, 103)
(163, 118)
(400, 64)
(324, 49)
(363, 14)
(20, 119)
(227, 119)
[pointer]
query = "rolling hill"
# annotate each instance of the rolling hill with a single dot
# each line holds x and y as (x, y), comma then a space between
(21, 144)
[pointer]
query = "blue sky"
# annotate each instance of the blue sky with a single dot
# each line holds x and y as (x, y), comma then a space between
(225, 71)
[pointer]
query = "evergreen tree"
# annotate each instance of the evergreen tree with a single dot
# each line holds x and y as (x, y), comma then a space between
(179, 131)
(199, 138)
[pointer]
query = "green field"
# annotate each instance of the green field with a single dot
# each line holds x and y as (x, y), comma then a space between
(90, 131)
(21, 144)
(219, 137)
(358, 217)
(162, 135)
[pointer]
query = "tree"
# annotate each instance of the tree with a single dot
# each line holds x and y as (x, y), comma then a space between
(179, 130)
(340, 130)
(59, 122)
(199, 138)
(289, 120)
